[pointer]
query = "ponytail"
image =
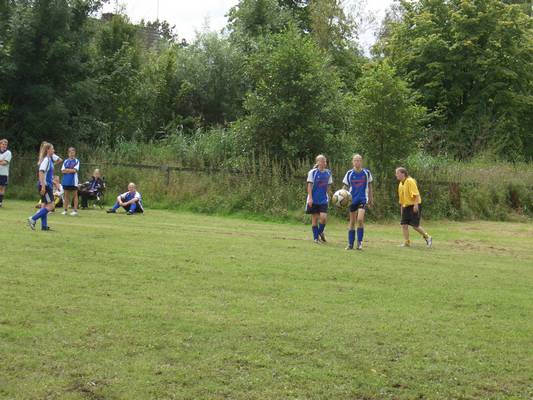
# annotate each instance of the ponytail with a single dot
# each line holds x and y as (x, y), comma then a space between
(42, 151)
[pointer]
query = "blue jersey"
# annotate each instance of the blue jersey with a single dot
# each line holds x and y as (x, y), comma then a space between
(130, 196)
(358, 183)
(47, 166)
(70, 179)
(321, 181)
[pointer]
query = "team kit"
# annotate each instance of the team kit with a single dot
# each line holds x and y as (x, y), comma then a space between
(356, 194)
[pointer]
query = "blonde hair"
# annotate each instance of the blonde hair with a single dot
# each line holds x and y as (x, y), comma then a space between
(357, 155)
(3, 141)
(45, 146)
(403, 171)
(319, 157)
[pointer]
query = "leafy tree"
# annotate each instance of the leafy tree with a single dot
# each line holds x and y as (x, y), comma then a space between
(471, 61)
(387, 119)
(46, 49)
(297, 108)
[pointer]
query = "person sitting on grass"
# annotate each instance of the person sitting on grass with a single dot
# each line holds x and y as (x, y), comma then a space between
(131, 201)
(90, 189)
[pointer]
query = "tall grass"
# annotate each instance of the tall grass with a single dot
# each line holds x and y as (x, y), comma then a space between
(218, 176)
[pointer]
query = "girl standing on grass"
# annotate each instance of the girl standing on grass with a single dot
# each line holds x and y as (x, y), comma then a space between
(46, 185)
(5, 159)
(358, 180)
(319, 181)
(70, 169)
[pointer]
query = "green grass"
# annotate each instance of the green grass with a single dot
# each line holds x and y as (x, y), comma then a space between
(181, 306)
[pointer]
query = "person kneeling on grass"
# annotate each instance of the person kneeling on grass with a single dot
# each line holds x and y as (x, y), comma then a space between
(410, 207)
(131, 201)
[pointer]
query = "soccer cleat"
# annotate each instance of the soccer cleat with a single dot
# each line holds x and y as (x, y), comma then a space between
(74, 213)
(0, 205)
(46, 229)
(405, 245)
(129, 213)
(111, 211)
(31, 223)
(322, 237)
(349, 248)
(316, 241)
(64, 212)
(359, 246)
(429, 241)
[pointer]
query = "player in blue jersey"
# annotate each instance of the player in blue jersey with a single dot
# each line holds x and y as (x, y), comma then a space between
(70, 169)
(319, 181)
(47, 158)
(358, 181)
(131, 201)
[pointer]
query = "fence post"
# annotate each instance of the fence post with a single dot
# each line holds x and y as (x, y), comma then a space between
(455, 195)
(166, 169)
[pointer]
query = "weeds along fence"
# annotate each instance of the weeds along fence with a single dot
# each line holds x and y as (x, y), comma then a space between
(271, 190)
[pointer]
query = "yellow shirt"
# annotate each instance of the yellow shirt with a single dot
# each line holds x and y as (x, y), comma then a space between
(407, 190)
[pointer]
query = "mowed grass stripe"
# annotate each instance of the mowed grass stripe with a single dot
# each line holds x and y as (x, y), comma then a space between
(177, 305)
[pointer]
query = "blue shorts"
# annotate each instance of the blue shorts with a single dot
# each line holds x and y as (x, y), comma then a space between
(4, 180)
(316, 209)
(48, 196)
(358, 205)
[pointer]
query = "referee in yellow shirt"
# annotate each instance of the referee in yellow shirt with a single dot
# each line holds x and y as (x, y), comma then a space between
(410, 207)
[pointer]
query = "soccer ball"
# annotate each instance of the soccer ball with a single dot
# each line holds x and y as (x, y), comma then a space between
(341, 198)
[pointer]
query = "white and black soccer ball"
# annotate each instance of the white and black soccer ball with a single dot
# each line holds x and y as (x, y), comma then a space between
(341, 198)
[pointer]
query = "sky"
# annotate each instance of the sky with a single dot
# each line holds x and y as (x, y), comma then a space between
(191, 16)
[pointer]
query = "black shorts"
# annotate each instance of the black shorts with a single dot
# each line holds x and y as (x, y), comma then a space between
(316, 209)
(139, 208)
(70, 188)
(48, 196)
(3, 180)
(357, 206)
(409, 217)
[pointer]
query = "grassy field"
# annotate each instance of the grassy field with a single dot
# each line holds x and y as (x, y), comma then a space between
(181, 306)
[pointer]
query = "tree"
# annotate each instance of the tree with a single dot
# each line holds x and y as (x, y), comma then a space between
(44, 54)
(387, 119)
(471, 62)
(297, 108)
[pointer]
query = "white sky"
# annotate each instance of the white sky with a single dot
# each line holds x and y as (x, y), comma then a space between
(190, 16)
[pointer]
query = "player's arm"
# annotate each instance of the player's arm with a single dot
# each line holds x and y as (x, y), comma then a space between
(42, 181)
(330, 193)
(69, 170)
(370, 194)
(417, 202)
(415, 194)
(4, 162)
(310, 194)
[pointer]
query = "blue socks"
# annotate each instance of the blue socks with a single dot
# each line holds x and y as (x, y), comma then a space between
(116, 206)
(133, 207)
(315, 232)
(43, 215)
(360, 234)
(351, 237)
(321, 228)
